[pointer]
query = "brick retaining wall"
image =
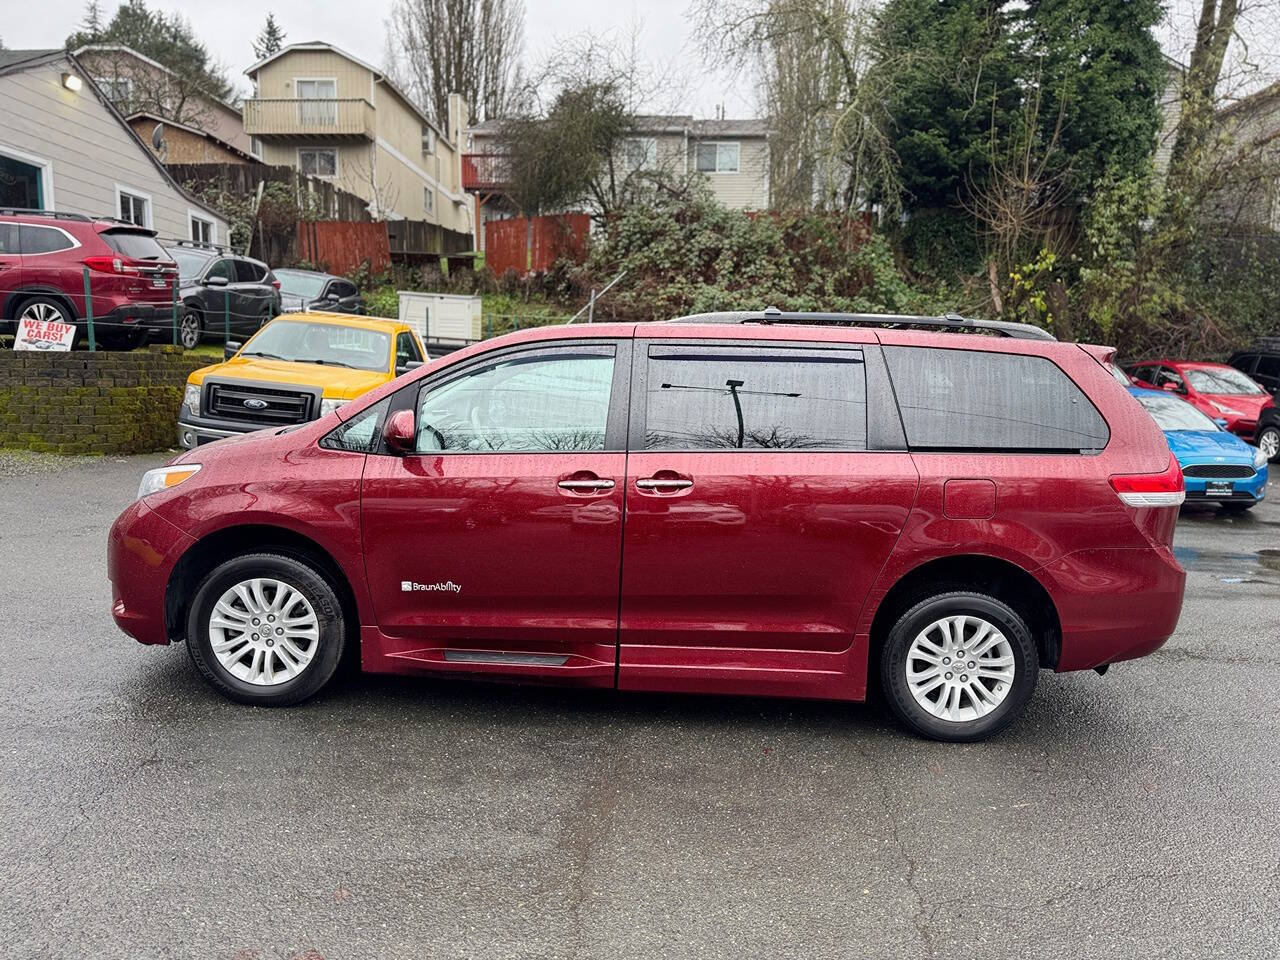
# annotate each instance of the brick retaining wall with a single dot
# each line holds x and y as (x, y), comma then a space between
(104, 402)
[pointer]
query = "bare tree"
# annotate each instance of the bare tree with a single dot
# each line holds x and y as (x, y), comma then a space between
(471, 47)
(823, 84)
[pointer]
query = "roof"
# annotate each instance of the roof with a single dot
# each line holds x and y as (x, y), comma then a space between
(1259, 98)
(122, 48)
(378, 75)
(144, 115)
(17, 61)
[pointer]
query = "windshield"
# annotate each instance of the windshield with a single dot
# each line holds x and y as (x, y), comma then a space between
(189, 263)
(1170, 413)
(136, 246)
(326, 343)
(304, 285)
(1221, 380)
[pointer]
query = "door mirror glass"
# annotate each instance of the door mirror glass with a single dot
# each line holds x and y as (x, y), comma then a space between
(399, 432)
(231, 348)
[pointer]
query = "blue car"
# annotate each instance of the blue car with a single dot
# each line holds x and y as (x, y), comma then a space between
(1218, 466)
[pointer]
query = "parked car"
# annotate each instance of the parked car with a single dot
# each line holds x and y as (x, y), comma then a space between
(947, 511)
(220, 290)
(1262, 364)
(43, 256)
(297, 368)
(311, 290)
(1269, 433)
(1215, 389)
(1217, 466)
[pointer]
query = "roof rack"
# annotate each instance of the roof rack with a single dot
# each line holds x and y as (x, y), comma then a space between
(949, 321)
(199, 244)
(33, 212)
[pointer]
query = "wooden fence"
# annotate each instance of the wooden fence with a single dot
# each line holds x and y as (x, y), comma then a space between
(563, 236)
(242, 179)
(340, 246)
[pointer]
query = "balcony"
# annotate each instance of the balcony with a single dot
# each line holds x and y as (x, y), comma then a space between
(309, 119)
(485, 172)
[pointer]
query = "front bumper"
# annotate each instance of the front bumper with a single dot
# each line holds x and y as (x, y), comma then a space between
(1243, 490)
(142, 550)
(194, 431)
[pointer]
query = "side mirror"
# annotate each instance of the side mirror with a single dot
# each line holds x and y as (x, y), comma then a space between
(216, 281)
(1221, 422)
(1169, 387)
(408, 365)
(399, 432)
(231, 348)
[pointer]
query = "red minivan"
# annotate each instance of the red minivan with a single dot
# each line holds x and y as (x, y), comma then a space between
(756, 503)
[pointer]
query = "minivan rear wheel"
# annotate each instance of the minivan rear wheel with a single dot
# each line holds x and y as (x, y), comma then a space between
(266, 629)
(959, 666)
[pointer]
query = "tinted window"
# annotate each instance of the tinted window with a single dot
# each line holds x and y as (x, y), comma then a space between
(139, 246)
(1168, 375)
(360, 433)
(755, 398)
(406, 349)
(249, 272)
(343, 289)
(973, 400)
(222, 268)
(35, 240)
(537, 403)
(8, 238)
(1268, 366)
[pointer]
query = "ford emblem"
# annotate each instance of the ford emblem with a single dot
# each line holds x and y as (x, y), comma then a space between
(253, 403)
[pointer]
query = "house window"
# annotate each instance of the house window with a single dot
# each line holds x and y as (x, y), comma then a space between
(22, 184)
(428, 199)
(640, 153)
(319, 163)
(202, 229)
(428, 141)
(718, 157)
(134, 207)
(116, 89)
(318, 104)
(255, 147)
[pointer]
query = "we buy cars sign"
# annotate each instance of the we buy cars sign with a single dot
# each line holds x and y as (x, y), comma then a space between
(43, 335)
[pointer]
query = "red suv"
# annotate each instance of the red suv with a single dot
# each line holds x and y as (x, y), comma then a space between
(1219, 391)
(759, 503)
(43, 256)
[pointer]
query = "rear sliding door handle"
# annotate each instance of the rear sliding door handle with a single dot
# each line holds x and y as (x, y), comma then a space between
(597, 484)
(661, 483)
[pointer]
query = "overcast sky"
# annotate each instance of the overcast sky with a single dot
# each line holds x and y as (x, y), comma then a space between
(228, 27)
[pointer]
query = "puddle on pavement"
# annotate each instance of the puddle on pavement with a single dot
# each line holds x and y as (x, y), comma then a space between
(1260, 567)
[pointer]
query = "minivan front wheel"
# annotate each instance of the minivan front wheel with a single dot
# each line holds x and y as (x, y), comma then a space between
(266, 629)
(959, 666)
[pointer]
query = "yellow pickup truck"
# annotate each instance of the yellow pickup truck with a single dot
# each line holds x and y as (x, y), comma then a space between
(297, 368)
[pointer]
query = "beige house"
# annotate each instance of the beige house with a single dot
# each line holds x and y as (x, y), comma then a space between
(65, 147)
(140, 86)
(331, 115)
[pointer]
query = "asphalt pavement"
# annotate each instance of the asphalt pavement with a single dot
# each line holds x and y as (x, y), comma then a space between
(1132, 815)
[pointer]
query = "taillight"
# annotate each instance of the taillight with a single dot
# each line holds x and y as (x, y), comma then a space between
(109, 265)
(275, 283)
(1151, 489)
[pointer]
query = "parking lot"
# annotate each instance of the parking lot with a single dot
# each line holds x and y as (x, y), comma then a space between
(143, 816)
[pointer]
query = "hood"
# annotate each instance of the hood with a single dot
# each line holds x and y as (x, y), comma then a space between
(1247, 403)
(1215, 446)
(335, 383)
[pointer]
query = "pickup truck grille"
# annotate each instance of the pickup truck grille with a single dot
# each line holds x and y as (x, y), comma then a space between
(1218, 471)
(264, 406)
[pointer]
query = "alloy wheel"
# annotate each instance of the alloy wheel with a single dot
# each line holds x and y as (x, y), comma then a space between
(1269, 443)
(189, 331)
(264, 631)
(44, 312)
(960, 668)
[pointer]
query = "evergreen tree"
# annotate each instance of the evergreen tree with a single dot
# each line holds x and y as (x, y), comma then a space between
(270, 40)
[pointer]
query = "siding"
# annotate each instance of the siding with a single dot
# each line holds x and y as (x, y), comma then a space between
(748, 189)
(275, 80)
(90, 150)
(185, 146)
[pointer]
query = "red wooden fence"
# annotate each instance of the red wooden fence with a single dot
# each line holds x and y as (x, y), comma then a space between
(563, 236)
(340, 246)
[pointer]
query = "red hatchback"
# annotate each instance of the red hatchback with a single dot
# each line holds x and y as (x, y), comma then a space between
(1217, 390)
(758, 503)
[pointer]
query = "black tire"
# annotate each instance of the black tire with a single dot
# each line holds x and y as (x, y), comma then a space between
(190, 328)
(1273, 433)
(331, 640)
(1237, 506)
(893, 666)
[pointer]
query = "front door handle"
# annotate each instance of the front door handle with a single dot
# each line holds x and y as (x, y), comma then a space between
(599, 483)
(664, 483)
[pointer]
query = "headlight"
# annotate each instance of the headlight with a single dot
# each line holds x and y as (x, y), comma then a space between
(1259, 459)
(1229, 411)
(328, 406)
(191, 399)
(162, 478)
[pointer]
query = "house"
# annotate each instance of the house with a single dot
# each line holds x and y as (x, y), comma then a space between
(140, 86)
(65, 147)
(1251, 126)
(181, 143)
(732, 155)
(331, 115)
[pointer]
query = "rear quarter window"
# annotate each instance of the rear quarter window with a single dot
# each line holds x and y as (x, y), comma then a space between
(995, 402)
